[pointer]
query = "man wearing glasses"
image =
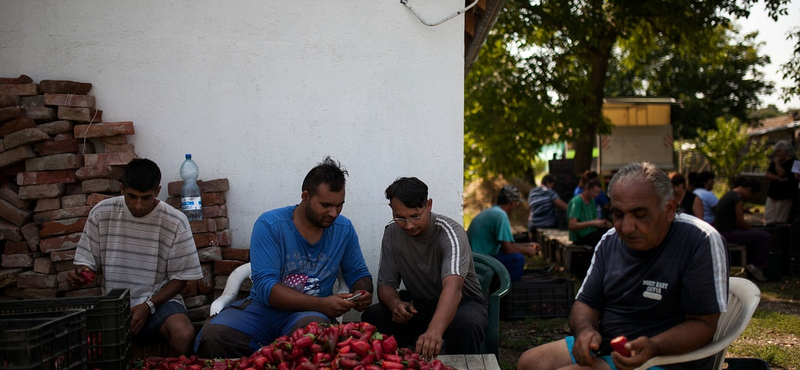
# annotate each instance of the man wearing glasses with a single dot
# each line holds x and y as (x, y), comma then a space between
(442, 304)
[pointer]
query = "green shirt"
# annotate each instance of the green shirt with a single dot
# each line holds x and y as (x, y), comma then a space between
(583, 212)
(488, 229)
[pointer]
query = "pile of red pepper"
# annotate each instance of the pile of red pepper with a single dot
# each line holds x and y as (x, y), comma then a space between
(350, 346)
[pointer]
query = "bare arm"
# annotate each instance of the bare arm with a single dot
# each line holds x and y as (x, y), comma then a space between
(531, 249)
(741, 224)
(685, 337)
(697, 208)
(364, 285)
(288, 299)
(583, 321)
(560, 204)
(141, 311)
(429, 344)
(575, 225)
(402, 311)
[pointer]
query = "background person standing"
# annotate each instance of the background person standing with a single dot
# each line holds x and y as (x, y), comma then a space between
(782, 184)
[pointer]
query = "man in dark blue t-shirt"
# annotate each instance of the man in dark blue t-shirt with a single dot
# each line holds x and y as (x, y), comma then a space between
(658, 278)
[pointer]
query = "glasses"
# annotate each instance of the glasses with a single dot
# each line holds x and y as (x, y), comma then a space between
(404, 220)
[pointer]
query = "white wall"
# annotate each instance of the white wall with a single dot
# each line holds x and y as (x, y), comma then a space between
(260, 91)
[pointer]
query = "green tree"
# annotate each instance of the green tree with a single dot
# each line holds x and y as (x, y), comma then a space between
(791, 70)
(506, 122)
(564, 48)
(730, 150)
(717, 73)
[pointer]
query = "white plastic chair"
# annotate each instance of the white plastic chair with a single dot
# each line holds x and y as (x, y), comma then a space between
(743, 298)
(236, 279)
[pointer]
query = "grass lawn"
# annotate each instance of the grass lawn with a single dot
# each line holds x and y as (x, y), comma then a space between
(772, 335)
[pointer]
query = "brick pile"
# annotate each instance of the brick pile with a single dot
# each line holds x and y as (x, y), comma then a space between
(58, 158)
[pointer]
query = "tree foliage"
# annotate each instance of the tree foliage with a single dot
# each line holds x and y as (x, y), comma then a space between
(791, 70)
(717, 73)
(555, 57)
(730, 150)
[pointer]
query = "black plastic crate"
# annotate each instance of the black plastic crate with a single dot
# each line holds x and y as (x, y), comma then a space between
(43, 340)
(538, 298)
(108, 325)
(746, 363)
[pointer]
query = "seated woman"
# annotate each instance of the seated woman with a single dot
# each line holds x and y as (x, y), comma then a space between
(584, 226)
(688, 202)
(731, 224)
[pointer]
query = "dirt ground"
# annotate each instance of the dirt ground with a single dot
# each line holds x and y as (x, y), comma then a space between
(518, 330)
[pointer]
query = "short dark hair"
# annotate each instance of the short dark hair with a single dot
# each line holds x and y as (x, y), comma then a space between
(327, 172)
(548, 179)
(141, 174)
(409, 190)
(747, 182)
(677, 179)
(704, 176)
(508, 194)
(592, 183)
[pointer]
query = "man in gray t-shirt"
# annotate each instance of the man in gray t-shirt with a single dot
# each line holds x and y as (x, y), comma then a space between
(442, 303)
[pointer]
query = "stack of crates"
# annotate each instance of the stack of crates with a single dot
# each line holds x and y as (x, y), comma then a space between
(108, 324)
(43, 340)
(538, 298)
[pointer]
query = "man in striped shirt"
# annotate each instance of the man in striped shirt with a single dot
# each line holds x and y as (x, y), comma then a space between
(142, 244)
(429, 253)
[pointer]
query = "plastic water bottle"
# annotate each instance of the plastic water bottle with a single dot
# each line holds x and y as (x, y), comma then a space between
(191, 204)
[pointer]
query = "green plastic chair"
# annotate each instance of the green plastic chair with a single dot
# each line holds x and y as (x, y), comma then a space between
(487, 267)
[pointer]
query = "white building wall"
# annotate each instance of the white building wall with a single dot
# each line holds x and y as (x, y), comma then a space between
(260, 91)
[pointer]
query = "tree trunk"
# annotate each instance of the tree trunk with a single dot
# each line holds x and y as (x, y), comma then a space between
(584, 144)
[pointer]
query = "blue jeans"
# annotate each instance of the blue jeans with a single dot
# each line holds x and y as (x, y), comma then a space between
(514, 263)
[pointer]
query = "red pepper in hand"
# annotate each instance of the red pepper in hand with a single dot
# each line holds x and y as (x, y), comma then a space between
(618, 344)
(87, 276)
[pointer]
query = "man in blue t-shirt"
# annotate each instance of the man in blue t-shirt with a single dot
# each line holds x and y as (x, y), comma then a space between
(296, 253)
(657, 278)
(490, 233)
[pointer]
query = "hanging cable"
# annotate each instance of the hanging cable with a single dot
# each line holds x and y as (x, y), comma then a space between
(405, 2)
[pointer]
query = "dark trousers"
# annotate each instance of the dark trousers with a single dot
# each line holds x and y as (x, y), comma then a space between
(464, 335)
(514, 263)
(757, 243)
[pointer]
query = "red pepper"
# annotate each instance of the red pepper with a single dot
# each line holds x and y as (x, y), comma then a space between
(618, 344)
(345, 342)
(347, 363)
(368, 359)
(360, 347)
(315, 348)
(267, 353)
(377, 347)
(392, 365)
(345, 349)
(389, 345)
(305, 341)
(283, 366)
(372, 367)
(260, 363)
(87, 276)
(392, 358)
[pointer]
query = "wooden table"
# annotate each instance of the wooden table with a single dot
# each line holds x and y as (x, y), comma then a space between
(471, 362)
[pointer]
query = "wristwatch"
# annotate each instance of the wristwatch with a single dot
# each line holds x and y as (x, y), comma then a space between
(151, 305)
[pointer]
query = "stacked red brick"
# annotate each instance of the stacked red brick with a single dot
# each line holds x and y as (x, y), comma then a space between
(57, 160)
(213, 239)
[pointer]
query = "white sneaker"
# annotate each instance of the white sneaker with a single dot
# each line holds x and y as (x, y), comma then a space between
(756, 272)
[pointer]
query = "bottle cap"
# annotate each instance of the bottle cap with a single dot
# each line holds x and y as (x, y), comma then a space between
(188, 156)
